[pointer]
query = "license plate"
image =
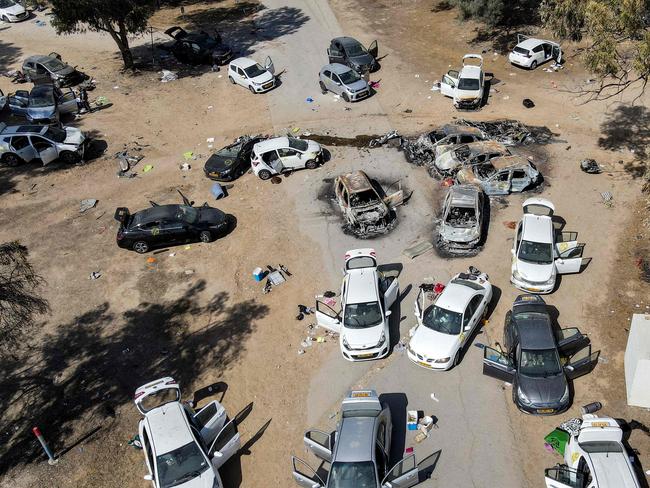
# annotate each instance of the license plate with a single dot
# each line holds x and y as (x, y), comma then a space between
(268, 85)
(364, 356)
(545, 410)
(534, 289)
(600, 424)
(422, 363)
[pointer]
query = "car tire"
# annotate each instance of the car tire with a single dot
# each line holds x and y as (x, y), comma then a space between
(10, 159)
(322, 87)
(265, 174)
(311, 164)
(69, 157)
(205, 236)
(456, 359)
(231, 80)
(533, 65)
(250, 87)
(140, 247)
(345, 97)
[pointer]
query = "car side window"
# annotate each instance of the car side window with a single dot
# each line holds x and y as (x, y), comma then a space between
(19, 142)
(503, 175)
(327, 73)
(471, 309)
(285, 152)
(335, 50)
(240, 72)
(381, 434)
(538, 49)
(147, 448)
(155, 224)
(583, 467)
(466, 139)
(336, 78)
(40, 143)
(518, 234)
(518, 173)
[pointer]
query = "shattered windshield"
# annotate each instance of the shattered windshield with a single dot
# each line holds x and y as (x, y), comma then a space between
(254, 71)
(6, 3)
(54, 64)
(41, 100)
(362, 315)
(187, 214)
(544, 362)
(298, 144)
(349, 77)
(536, 252)
(468, 84)
(352, 475)
(180, 466)
(55, 134)
(230, 151)
(442, 320)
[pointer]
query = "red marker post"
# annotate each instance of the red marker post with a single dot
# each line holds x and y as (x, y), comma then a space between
(41, 439)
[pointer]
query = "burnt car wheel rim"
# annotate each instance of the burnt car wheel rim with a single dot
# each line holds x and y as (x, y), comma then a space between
(140, 247)
(205, 236)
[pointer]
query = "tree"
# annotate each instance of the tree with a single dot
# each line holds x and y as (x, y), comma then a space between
(19, 302)
(619, 51)
(117, 17)
(499, 12)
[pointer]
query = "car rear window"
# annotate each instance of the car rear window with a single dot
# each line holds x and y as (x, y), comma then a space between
(521, 50)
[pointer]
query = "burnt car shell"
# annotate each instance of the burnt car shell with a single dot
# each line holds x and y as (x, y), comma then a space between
(199, 47)
(449, 162)
(461, 225)
(501, 175)
(230, 162)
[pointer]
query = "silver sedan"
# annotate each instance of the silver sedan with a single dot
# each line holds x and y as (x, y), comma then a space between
(343, 81)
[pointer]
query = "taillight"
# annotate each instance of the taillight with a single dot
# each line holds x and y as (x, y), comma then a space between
(138, 395)
(171, 382)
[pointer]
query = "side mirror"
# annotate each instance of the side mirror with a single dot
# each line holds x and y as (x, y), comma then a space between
(568, 367)
(148, 477)
(512, 251)
(217, 454)
(388, 312)
(467, 328)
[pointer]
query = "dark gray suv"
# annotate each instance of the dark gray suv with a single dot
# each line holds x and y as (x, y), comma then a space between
(538, 360)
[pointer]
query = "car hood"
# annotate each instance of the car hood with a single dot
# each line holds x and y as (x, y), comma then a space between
(432, 344)
(467, 94)
(73, 136)
(540, 390)
(362, 60)
(206, 480)
(211, 215)
(263, 78)
(313, 146)
(41, 112)
(458, 234)
(67, 71)
(217, 163)
(14, 9)
(362, 338)
(446, 161)
(357, 85)
(535, 273)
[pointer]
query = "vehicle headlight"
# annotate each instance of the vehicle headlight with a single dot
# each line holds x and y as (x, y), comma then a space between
(442, 360)
(516, 275)
(522, 396)
(565, 397)
(345, 342)
(382, 339)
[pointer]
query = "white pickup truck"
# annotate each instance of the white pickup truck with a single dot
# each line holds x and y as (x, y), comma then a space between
(595, 457)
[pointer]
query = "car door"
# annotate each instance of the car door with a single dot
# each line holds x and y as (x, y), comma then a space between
(46, 151)
(390, 286)
(67, 102)
(519, 180)
(570, 340)
(557, 53)
(449, 83)
(472, 316)
(418, 308)
(538, 54)
(291, 158)
(269, 66)
(172, 232)
(150, 232)
(498, 365)
(335, 53)
(320, 443)
(499, 183)
(373, 50)
(23, 148)
(327, 317)
(403, 475)
(336, 84)
(29, 70)
(17, 105)
(240, 77)
(581, 363)
(210, 420)
(561, 476)
(304, 475)
(273, 161)
(225, 444)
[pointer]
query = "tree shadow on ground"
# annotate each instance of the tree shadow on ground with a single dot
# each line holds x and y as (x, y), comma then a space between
(627, 127)
(9, 54)
(80, 375)
(517, 18)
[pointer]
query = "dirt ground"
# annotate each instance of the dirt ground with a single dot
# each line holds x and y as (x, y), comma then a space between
(196, 314)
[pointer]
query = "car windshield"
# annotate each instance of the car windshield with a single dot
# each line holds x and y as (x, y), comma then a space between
(442, 320)
(230, 151)
(298, 144)
(6, 3)
(468, 84)
(355, 49)
(41, 100)
(54, 64)
(55, 134)
(187, 214)
(536, 252)
(254, 71)
(362, 315)
(596, 447)
(181, 465)
(349, 77)
(542, 362)
(352, 475)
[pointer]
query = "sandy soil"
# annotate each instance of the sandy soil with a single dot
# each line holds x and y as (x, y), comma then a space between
(199, 316)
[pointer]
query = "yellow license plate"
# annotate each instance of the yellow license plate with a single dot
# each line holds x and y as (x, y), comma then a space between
(364, 356)
(422, 363)
(545, 410)
(600, 424)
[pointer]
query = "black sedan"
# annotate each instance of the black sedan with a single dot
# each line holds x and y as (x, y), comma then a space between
(198, 47)
(230, 162)
(538, 360)
(164, 225)
(350, 52)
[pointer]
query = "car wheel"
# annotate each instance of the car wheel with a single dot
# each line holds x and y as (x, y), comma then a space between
(265, 174)
(345, 97)
(205, 236)
(250, 87)
(311, 164)
(456, 359)
(140, 247)
(69, 157)
(11, 160)
(231, 80)
(322, 87)
(533, 65)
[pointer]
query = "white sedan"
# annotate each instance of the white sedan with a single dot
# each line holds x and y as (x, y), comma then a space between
(284, 154)
(183, 448)
(248, 73)
(539, 253)
(447, 320)
(366, 298)
(11, 11)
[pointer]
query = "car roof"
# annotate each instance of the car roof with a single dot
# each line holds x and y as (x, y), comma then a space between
(470, 71)
(535, 331)
(168, 427)
(537, 228)
(345, 40)
(356, 181)
(337, 68)
(355, 440)
(464, 195)
(39, 58)
(455, 297)
(529, 43)
(361, 285)
(243, 62)
(155, 213)
(502, 162)
(270, 144)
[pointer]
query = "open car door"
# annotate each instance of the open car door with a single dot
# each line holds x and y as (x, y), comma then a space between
(48, 155)
(570, 340)
(557, 53)
(68, 102)
(176, 32)
(269, 66)
(320, 443)
(391, 287)
(395, 199)
(403, 475)
(210, 420)
(327, 317)
(449, 83)
(573, 265)
(225, 444)
(581, 363)
(497, 365)
(474, 58)
(419, 305)
(561, 476)
(304, 475)
(373, 50)
(17, 105)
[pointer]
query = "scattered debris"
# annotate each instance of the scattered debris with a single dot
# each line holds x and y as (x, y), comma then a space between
(94, 275)
(167, 76)
(590, 166)
(528, 103)
(87, 204)
(147, 168)
(379, 141)
(510, 224)
(417, 249)
(607, 198)
(185, 167)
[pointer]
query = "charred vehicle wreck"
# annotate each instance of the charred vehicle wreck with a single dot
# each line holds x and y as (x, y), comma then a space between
(460, 230)
(448, 163)
(366, 208)
(501, 176)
